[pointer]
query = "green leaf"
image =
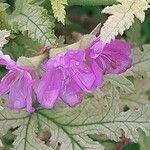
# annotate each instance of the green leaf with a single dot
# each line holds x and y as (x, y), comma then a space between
(91, 3)
(3, 6)
(102, 139)
(35, 21)
(3, 16)
(27, 136)
(134, 34)
(122, 82)
(11, 119)
(71, 126)
(58, 7)
(3, 35)
(139, 98)
(21, 45)
(141, 61)
(14, 50)
(35, 2)
(132, 146)
(144, 141)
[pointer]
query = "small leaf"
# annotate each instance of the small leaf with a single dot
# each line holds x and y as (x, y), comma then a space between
(58, 7)
(3, 35)
(3, 6)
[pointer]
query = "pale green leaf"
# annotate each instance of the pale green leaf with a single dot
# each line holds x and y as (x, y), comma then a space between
(141, 61)
(3, 35)
(122, 17)
(35, 21)
(3, 16)
(71, 126)
(139, 98)
(92, 117)
(83, 43)
(35, 2)
(11, 119)
(1, 144)
(58, 7)
(27, 136)
(3, 6)
(4, 21)
(31, 62)
(122, 82)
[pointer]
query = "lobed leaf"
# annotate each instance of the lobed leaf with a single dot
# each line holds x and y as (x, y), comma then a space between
(35, 21)
(70, 127)
(122, 17)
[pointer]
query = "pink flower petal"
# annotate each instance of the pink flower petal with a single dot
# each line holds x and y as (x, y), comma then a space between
(113, 58)
(118, 46)
(71, 93)
(49, 88)
(17, 94)
(96, 48)
(20, 95)
(83, 76)
(28, 90)
(116, 63)
(98, 72)
(6, 82)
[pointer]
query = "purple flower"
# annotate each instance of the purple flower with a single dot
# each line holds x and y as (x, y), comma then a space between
(112, 58)
(18, 83)
(67, 77)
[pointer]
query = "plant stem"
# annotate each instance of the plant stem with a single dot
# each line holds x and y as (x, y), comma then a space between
(91, 2)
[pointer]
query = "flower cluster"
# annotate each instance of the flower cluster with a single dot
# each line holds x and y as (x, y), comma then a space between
(66, 77)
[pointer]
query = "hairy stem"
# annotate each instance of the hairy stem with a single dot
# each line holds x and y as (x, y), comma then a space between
(91, 2)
